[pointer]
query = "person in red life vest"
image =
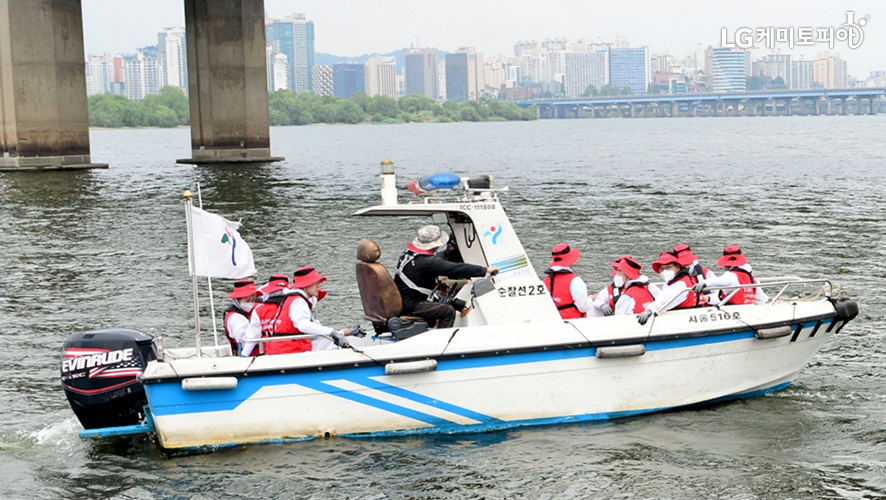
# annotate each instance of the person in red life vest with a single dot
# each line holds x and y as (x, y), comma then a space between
(297, 316)
(238, 313)
(276, 277)
(635, 294)
(266, 314)
(695, 270)
(677, 292)
(688, 260)
(418, 270)
(604, 302)
(738, 272)
(569, 292)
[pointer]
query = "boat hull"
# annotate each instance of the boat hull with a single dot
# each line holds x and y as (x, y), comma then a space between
(481, 391)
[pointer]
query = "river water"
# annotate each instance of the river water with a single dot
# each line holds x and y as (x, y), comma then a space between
(107, 248)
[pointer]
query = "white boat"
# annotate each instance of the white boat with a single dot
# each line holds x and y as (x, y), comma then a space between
(510, 362)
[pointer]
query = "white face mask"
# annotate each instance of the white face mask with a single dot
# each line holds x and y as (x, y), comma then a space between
(618, 281)
(246, 306)
(667, 275)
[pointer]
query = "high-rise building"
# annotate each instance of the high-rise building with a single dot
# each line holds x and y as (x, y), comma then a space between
(322, 78)
(801, 75)
(172, 58)
(97, 75)
(829, 70)
(630, 68)
(775, 66)
(381, 76)
(496, 73)
(280, 72)
(141, 73)
(535, 68)
(294, 37)
(728, 70)
(556, 66)
(348, 78)
(526, 47)
(464, 75)
(584, 69)
(420, 72)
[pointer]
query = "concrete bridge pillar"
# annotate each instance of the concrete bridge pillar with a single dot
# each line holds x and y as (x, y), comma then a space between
(873, 108)
(228, 82)
(45, 120)
(787, 106)
(858, 106)
(843, 106)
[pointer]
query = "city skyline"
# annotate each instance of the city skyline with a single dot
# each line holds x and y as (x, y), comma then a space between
(387, 25)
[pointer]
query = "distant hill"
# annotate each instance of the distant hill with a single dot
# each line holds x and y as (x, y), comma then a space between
(330, 59)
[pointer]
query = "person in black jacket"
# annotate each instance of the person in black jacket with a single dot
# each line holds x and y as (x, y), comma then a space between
(417, 272)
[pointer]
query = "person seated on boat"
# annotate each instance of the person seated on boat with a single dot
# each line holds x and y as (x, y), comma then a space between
(738, 272)
(451, 252)
(297, 316)
(238, 313)
(569, 292)
(677, 293)
(604, 302)
(274, 278)
(634, 291)
(265, 314)
(688, 260)
(417, 274)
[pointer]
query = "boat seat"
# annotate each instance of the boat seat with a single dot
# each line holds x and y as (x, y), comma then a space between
(382, 303)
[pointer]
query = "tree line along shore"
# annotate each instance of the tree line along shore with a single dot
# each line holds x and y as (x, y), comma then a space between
(170, 108)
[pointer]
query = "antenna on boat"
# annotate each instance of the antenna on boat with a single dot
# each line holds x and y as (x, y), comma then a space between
(208, 278)
(188, 196)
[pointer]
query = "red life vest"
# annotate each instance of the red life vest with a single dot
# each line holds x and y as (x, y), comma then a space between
(230, 311)
(692, 299)
(561, 293)
(283, 326)
(640, 293)
(744, 295)
(613, 298)
(267, 312)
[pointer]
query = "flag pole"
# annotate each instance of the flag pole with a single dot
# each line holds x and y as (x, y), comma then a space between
(208, 278)
(192, 266)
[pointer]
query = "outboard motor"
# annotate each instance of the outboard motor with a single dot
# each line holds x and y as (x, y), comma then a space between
(100, 372)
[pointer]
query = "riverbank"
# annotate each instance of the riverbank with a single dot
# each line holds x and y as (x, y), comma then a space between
(170, 108)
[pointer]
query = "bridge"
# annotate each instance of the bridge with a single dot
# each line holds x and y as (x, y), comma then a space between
(43, 108)
(761, 103)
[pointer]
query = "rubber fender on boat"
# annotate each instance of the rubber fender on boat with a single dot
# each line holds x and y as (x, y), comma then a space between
(423, 366)
(846, 309)
(209, 383)
(621, 351)
(774, 333)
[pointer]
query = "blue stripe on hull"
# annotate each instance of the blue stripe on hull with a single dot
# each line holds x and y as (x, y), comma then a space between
(590, 417)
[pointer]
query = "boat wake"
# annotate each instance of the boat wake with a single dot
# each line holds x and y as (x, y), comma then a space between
(59, 437)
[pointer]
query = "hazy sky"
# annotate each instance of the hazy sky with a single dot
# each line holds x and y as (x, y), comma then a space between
(352, 28)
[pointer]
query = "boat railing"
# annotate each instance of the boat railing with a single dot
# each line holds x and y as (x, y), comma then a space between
(276, 338)
(809, 289)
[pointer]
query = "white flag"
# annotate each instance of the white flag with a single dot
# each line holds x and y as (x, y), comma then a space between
(218, 249)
